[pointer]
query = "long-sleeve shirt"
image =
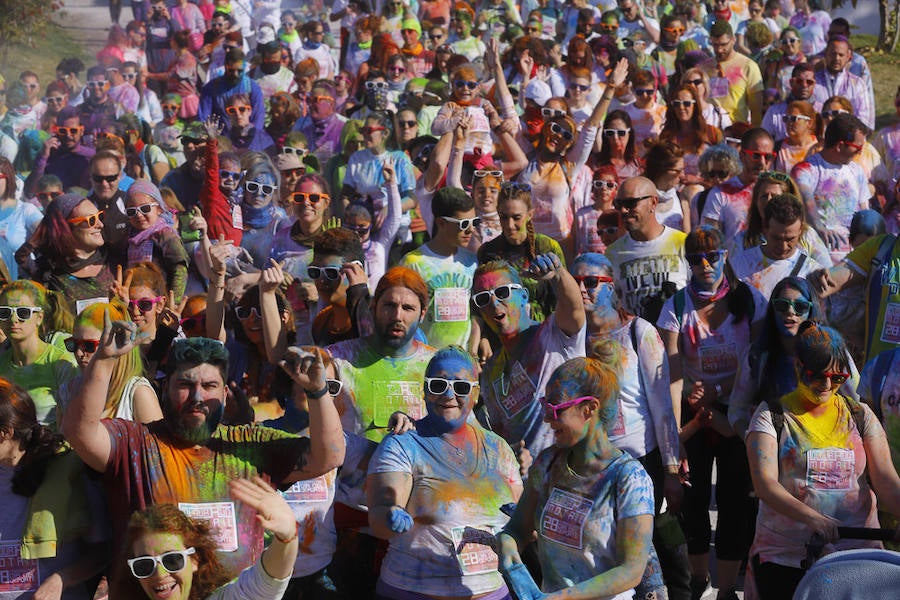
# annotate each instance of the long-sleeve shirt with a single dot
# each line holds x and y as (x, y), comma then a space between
(216, 208)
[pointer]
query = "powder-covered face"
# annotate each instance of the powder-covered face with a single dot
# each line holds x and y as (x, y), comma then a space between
(16, 329)
(599, 297)
(709, 273)
(817, 389)
(573, 424)
(504, 317)
(449, 411)
(397, 316)
(260, 198)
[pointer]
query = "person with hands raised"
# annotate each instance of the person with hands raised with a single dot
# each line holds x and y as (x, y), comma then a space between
(189, 456)
(435, 493)
(219, 199)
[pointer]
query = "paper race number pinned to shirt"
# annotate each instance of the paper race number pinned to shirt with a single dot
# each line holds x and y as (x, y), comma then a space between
(890, 330)
(308, 491)
(830, 468)
(718, 359)
(221, 518)
(451, 305)
(516, 392)
(474, 549)
(564, 517)
(17, 575)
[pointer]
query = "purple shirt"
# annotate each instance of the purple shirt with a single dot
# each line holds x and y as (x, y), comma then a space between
(324, 136)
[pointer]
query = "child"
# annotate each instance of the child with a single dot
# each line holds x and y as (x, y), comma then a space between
(152, 238)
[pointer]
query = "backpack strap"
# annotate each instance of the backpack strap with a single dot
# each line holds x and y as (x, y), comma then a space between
(799, 265)
(678, 301)
(859, 416)
(881, 258)
(633, 332)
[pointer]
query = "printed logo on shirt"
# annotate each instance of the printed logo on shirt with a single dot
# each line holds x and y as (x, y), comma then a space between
(17, 575)
(474, 549)
(451, 304)
(221, 518)
(718, 358)
(830, 468)
(890, 330)
(643, 277)
(515, 393)
(391, 396)
(564, 516)
(308, 491)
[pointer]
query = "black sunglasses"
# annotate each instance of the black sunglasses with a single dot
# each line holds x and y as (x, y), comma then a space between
(712, 257)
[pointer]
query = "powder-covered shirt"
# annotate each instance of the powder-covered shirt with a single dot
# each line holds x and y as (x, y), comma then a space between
(879, 386)
(886, 332)
(456, 512)
(728, 204)
(736, 85)
(449, 279)
(512, 390)
(822, 463)
(755, 269)
(42, 379)
(376, 386)
(577, 518)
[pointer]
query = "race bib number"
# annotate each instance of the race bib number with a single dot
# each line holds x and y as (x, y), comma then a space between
(718, 359)
(308, 491)
(80, 305)
(718, 87)
(17, 575)
(564, 517)
(513, 394)
(221, 518)
(830, 468)
(474, 549)
(890, 331)
(237, 217)
(391, 396)
(451, 305)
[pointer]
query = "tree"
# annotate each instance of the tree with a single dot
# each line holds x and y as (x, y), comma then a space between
(889, 29)
(23, 20)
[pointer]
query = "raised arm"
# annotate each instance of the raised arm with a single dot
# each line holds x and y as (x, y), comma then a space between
(388, 230)
(570, 317)
(215, 295)
(273, 322)
(454, 170)
(82, 425)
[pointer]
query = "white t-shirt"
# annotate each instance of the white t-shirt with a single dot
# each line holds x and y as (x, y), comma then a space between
(754, 269)
(729, 205)
(668, 211)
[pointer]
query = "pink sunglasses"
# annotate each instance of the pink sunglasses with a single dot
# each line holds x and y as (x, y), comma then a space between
(556, 408)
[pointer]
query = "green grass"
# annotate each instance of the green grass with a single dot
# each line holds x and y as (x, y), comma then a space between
(42, 58)
(884, 77)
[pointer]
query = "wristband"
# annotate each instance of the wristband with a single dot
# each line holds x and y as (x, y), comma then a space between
(316, 395)
(293, 537)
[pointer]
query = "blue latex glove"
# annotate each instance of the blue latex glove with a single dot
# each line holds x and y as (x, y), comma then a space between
(522, 585)
(399, 520)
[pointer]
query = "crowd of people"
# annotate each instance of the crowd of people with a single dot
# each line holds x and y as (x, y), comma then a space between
(436, 300)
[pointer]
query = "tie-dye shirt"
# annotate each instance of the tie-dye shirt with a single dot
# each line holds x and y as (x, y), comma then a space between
(576, 518)
(833, 193)
(147, 465)
(449, 280)
(728, 205)
(586, 237)
(455, 509)
(376, 386)
(822, 463)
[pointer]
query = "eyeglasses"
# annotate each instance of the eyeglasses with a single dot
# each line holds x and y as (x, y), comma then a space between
(439, 386)
(615, 132)
(552, 411)
(775, 176)
(602, 184)
(502, 293)
(89, 220)
(857, 148)
(106, 178)
(758, 155)
(240, 108)
(698, 81)
(23, 313)
(712, 257)
(328, 273)
(301, 152)
(145, 304)
(406, 124)
(575, 86)
(132, 211)
(550, 113)
(835, 377)
(244, 312)
(800, 306)
(683, 103)
(629, 203)
(172, 107)
(592, 281)
(67, 131)
(143, 567)
(86, 346)
(54, 99)
(788, 41)
(830, 114)
(310, 197)
(370, 129)
(558, 129)
(464, 224)
(645, 91)
(48, 196)
(461, 83)
(376, 85)
(96, 84)
(226, 174)
(262, 188)
(794, 118)
(189, 323)
(479, 173)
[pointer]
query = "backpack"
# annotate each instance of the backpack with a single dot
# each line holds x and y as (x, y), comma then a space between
(881, 260)
(881, 366)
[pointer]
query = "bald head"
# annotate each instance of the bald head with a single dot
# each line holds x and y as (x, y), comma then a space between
(636, 201)
(636, 186)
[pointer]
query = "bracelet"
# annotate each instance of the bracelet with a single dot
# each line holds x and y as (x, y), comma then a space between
(293, 537)
(316, 395)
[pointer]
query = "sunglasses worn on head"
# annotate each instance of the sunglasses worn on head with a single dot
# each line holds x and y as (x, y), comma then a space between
(629, 203)
(712, 257)
(835, 377)
(23, 313)
(464, 224)
(502, 293)
(263, 188)
(143, 567)
(800, 306)
(439, 386)
(88, 220)
(145, 304)
(86, 346)
(132, 211)
(592, 281)
(552, 410)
